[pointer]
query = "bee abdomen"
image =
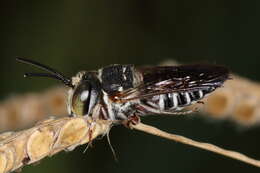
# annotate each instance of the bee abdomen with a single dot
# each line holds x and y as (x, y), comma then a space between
(181, 99)
(173, 100)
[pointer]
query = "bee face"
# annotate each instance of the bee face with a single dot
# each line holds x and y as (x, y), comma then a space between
(85, 94)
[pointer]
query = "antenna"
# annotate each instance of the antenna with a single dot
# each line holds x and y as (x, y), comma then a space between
(54, 74)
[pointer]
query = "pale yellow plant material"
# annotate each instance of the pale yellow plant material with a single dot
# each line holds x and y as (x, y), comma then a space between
(205, 146)
(21, 111)
(48, 137)
(45, 139)
(238, 100)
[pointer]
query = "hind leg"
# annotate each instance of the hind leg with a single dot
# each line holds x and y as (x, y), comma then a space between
(133, 119)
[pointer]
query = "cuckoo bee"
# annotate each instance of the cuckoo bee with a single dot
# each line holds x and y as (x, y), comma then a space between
(123, 92)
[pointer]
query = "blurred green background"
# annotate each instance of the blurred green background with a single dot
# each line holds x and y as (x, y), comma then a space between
(86, 35)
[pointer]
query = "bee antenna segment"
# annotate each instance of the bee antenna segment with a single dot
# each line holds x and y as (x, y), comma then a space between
(52, 73)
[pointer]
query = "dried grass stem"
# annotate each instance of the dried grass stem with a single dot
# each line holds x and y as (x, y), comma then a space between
(45, 139)
(206, 146)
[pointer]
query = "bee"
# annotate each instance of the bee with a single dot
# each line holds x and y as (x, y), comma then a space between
(123, 93)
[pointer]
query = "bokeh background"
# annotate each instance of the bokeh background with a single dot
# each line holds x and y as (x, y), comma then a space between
(86, 35)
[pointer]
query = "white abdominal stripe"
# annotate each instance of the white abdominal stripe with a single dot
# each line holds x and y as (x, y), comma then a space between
(176, 100)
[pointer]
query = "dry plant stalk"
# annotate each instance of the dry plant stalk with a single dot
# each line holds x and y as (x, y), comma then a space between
(21, 111)
(238, 100)
(45, 139)
(205, 146)
(51, 136)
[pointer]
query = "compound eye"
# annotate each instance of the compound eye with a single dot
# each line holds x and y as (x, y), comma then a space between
(81, 99)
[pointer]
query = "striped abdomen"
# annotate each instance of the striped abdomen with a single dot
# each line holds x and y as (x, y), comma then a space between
(174, 101)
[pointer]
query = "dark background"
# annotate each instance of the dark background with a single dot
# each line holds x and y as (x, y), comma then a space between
(86, 35)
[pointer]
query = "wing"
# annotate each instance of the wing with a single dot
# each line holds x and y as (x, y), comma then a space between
(168, 79)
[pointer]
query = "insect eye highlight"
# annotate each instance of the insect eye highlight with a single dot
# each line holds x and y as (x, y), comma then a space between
(84, 95)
